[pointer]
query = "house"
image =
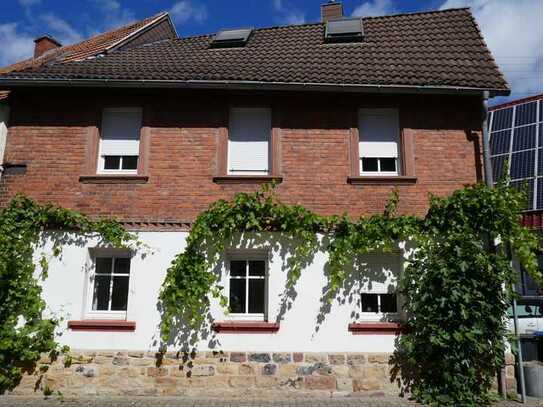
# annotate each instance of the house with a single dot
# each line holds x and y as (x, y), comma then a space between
(338, 113)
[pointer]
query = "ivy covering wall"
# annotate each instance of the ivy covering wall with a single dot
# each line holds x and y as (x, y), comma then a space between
(456, 284)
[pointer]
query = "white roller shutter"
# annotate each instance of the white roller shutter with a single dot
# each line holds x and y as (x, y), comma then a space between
(379, 133)
(249, 141)
(120, 131)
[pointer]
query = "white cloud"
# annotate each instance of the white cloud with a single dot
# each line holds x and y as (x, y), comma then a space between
(288, 14)
(15, 45)
(113, 16)
(374, 8)
(185, 10)
(513, 31)
(61, 29)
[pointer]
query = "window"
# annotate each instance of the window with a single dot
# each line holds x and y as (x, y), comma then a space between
(378, 143)
(249, 141)
(247, 291)
(110, 285)
(120, 140)
(379, 303)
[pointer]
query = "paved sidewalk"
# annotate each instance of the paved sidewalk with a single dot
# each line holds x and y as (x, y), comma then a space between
(186, 402)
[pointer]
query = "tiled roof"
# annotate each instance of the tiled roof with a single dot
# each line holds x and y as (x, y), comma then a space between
(429, 49)
(84, 49)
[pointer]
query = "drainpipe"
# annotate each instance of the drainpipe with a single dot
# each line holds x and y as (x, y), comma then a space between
(490, 183)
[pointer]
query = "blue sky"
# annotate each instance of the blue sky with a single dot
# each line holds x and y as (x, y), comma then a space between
(512, 28)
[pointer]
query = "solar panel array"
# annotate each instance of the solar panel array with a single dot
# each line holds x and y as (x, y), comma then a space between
(516, 137)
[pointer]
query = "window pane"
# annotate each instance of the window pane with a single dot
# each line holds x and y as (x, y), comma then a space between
(112, 162)
(522, 165)
(539, 194)
(526, 186)
(524, 138)
(369, 303)
(500, 142)
(257, 268)
(130, 162)
(256, 296)
(103, 265)
(237, 295)
(388, 164)
(237, 267)
(100, 299)
(498, 167)
(388, 303)
(369, 164)
(119, 297)
(122, 265)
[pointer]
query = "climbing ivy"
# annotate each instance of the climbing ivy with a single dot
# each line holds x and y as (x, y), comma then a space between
(456, 284)
(24, 331)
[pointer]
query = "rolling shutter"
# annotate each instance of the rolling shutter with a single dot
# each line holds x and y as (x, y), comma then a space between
(379, 131)
(120, 131)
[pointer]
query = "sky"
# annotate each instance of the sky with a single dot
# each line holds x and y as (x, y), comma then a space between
(512, 29)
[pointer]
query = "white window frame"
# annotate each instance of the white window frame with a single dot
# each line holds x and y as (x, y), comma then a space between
(396, 117)
(101, 159)
(258, 256)
(393, 262)
(90, 313)
(232, 171)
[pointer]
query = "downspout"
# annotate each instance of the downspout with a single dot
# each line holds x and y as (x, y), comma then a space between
(4, 116)
(490, 183)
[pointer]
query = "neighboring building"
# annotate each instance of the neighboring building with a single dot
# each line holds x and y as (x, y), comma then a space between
(338, 113)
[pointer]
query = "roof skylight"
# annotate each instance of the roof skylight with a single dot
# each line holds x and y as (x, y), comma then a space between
(232, 38)
(344, 30)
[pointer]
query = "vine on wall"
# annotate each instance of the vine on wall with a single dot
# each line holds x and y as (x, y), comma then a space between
(24, 332)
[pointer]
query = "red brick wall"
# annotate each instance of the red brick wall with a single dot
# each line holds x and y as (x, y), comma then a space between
(50, 132)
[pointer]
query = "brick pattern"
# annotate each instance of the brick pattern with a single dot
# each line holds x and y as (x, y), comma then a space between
(134, 373)
(51, 135)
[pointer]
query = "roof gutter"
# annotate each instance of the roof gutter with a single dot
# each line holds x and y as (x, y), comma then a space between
(250, 85)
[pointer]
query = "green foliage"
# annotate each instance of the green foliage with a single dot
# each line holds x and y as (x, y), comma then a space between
(457, 290)
(24, 333)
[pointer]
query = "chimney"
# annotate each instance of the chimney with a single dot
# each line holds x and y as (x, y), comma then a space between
(331, 11)
(44, 44)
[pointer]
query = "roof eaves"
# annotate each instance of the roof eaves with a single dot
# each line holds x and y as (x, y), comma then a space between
(248, 85)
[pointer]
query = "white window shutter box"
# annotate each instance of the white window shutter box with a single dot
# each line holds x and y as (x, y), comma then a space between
(379, 133)
(249, 140)
(121, 131)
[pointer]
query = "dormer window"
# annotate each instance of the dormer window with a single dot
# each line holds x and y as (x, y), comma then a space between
(231, 38)
(344, 30)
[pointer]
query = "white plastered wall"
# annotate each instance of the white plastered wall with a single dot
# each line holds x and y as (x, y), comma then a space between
(66, 291)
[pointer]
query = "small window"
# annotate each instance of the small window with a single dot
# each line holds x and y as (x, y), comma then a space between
(344, 30)
(249, 141)
(110, 285)
(120, 140)
(379, 142)
(247, 292)
(379, 303)
(231, 38)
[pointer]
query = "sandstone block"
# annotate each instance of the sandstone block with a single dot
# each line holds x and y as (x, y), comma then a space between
(282, 357)
(120, 361)
(344, 384)
(238, 357)
(259, 357)
(381, 358)
(242, 381)
(297, 357)
(336, 359)
(288, 370)
(366, 385)
(316, 357)
(320, 383)
(157, 371)
(202, 370)
(246, 369)
(356, 359)
(269, 369)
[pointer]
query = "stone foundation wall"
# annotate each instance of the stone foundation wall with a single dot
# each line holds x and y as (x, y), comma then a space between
(211, 374)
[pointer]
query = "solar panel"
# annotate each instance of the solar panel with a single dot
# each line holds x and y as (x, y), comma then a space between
(524, 123)
(346, 29)
(524, 138)
(232, 38)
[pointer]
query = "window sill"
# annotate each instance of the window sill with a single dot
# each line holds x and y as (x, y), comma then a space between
(247, 179)
(113, 179)
(376, 328)
(245, 327)
(382, 180)
(102, 325)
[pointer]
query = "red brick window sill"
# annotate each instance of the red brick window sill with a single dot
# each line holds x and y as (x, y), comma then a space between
(102, 325)
(247, 179)
(376, 328)
(114, 179)
(245, 327)
(393, 180)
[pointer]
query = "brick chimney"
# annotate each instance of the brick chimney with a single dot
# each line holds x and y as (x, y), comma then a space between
(44, 44)
(332, 10)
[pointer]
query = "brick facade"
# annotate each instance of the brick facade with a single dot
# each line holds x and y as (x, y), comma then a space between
(55, 133)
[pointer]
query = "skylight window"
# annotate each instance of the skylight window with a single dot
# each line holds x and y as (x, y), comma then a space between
(344, 30)
(231, 38)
